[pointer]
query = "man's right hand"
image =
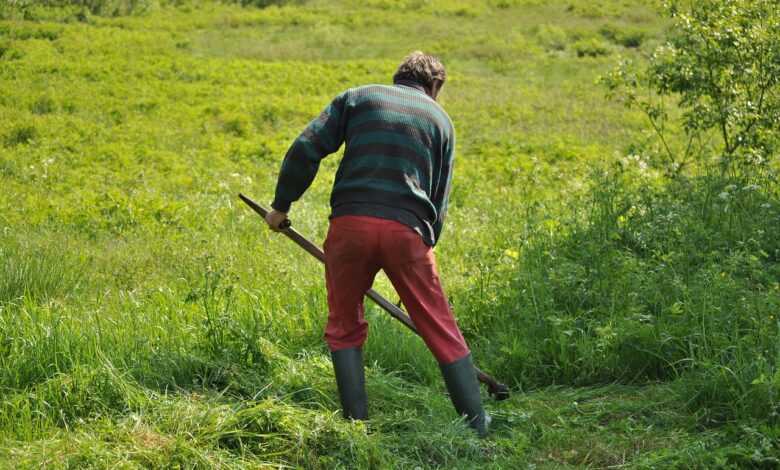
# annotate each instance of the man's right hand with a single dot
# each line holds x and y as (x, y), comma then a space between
(275, 218)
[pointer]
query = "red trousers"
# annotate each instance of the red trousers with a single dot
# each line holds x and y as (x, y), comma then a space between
(356, 248)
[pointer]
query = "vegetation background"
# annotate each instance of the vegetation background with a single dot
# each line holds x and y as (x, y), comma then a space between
(617, 266)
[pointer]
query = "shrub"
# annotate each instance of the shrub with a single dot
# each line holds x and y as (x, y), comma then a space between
(626, 37)
(721, 66)
(552, 37)
(591, 47)
(29, 9)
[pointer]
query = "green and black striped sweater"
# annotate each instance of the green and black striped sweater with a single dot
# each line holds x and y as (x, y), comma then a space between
(397, 162)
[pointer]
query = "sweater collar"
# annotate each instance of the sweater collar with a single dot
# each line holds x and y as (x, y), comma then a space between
(411, 84)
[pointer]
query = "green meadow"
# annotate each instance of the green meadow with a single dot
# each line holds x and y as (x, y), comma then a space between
(148, 319)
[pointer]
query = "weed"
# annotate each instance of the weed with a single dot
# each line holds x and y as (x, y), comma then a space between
(19, 135)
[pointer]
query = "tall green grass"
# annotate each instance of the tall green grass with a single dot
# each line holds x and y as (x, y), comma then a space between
(672, 283)
(38, 272)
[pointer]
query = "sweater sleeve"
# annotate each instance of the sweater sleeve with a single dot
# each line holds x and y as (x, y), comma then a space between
(444, 185)
(323, 136)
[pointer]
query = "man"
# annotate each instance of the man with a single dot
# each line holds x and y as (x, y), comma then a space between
(388, 202)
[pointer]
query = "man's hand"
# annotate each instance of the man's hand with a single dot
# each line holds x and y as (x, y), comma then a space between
(275, 220)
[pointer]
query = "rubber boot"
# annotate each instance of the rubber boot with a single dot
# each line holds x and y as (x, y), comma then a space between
(461, 380)
(351, 381)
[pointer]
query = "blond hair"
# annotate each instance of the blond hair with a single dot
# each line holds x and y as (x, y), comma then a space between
(422, 68)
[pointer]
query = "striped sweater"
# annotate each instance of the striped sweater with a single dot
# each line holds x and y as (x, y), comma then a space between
(397, 161)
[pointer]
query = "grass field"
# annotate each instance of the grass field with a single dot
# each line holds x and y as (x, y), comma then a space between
(149, 320)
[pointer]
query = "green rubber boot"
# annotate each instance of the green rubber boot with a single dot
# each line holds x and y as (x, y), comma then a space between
(461, 380)
(351, 381)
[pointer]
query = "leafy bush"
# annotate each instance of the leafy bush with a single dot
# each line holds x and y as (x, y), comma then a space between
(591, 47)
(552, 37)
(626, 37)
(721, 66)
(78, 10)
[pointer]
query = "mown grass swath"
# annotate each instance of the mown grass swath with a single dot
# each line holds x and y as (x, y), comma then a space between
(628, 297)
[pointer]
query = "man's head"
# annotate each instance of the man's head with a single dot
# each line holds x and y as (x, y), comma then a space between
(424, 69)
